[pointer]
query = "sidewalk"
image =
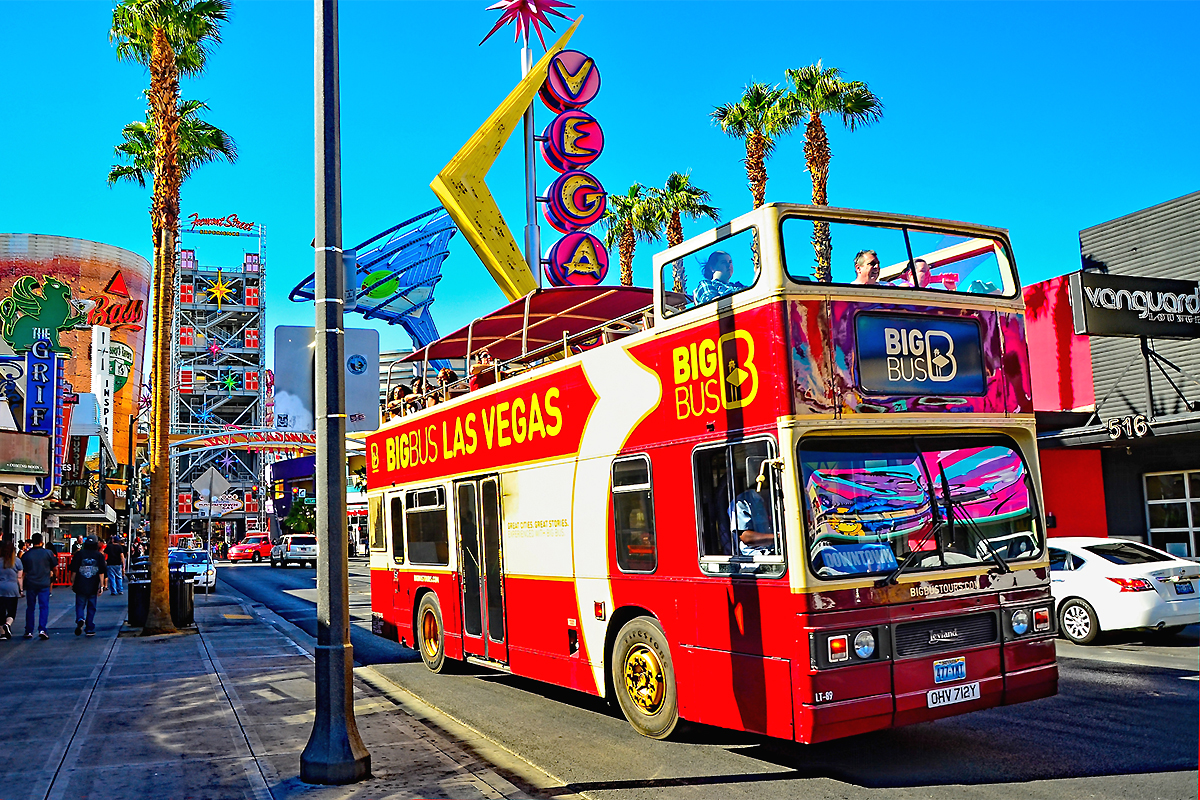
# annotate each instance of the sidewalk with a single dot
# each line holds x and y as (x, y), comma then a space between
(220, 713)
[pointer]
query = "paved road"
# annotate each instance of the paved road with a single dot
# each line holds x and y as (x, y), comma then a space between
(1123, 726)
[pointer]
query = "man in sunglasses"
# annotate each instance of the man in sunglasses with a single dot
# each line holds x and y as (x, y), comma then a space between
(866, 268)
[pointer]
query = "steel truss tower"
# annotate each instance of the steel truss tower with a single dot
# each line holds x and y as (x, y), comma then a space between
(219, 372)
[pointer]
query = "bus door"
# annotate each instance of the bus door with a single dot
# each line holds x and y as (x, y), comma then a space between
(477, 511)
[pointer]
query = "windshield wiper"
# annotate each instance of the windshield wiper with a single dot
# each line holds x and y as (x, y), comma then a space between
(934, 528)
(999, 559)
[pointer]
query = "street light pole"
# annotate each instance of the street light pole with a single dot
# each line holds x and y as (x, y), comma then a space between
(335, 753)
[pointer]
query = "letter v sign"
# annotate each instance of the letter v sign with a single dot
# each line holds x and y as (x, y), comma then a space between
(462, 187)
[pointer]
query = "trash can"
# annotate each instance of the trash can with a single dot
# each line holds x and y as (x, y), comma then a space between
(139, 603)
(183, 609)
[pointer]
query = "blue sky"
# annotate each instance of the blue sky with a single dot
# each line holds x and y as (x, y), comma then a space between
(1043, 118)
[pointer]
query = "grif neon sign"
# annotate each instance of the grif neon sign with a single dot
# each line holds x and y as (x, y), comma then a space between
(43, 395)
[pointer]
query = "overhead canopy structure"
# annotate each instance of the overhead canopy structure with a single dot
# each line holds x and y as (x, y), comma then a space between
(396, 277)
(540, 318)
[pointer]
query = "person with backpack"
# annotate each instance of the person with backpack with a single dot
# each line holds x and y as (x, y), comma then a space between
(89, 574)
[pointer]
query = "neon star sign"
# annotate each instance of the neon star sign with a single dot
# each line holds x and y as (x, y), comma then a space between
(219, 290)
(527, 13)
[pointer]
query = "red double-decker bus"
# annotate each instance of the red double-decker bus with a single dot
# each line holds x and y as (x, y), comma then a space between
(792, 490)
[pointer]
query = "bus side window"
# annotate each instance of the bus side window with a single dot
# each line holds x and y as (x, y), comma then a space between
(396, 513)
(428, 531)
(633, 515)
(375, 521)
(738, 520)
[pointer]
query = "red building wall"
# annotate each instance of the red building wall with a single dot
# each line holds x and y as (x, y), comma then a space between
(1073, 491)
(1060, 359)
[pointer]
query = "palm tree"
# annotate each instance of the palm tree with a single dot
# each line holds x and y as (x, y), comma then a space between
(759, 117)
(679, 198)
(817, 91)
(200, 143)
(630, 218)
(170, 38)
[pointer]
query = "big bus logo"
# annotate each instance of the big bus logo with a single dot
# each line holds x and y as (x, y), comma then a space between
(714, 374)
(917, 355)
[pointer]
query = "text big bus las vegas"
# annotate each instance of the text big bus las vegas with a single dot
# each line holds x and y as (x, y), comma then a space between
(773, 501)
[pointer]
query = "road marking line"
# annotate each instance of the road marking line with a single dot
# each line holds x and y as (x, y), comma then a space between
(1190, 678)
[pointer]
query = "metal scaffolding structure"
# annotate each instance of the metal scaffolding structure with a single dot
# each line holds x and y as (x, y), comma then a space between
(219, 375)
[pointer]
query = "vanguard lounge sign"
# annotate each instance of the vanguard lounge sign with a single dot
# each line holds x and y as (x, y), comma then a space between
(1124, 305)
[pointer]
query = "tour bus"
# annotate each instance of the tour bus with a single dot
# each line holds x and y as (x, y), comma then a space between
(793, 489)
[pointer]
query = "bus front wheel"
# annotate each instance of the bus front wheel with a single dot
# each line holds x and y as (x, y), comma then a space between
(643, 678)
(431, 638)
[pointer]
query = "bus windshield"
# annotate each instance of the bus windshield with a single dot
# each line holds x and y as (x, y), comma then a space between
(900, 257)
(870, 503)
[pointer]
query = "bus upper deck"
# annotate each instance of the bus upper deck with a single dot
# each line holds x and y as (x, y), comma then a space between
(863, 341)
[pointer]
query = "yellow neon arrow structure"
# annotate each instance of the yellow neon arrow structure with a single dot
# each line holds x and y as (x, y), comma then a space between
(465, 195)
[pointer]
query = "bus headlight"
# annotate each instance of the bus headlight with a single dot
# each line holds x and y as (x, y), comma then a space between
(1020, 622)
(864, 644)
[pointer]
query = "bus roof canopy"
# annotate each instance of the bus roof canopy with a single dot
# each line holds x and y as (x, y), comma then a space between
(538, 319)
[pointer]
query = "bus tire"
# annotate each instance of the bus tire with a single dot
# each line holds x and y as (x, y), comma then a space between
(643, 678)
(1077, 621)
(430, 634)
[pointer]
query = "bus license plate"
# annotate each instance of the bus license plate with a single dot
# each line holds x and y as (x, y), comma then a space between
(1185, 588)
(953, 694)
(949, 670)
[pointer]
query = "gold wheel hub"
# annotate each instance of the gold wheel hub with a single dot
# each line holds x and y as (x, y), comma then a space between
(644, 678)
(431, 634)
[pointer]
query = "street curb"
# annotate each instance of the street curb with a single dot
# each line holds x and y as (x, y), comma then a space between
(514, 776)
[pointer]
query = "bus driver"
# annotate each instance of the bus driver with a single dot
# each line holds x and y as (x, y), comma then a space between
(749, 517)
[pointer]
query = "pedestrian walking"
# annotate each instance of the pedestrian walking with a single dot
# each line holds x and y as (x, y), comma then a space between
(114, 556)
(89, 572)
(12, 579)
(39, 564)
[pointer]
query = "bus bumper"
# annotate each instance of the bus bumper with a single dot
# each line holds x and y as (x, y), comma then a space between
(821, 723)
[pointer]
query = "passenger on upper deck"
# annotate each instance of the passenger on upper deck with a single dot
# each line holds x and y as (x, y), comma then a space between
(866, 268)
(483, 371)
(718, 278)
(922, 272)
(446, 379)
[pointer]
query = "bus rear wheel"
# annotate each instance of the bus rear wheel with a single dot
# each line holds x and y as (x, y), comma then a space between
(431, 638)
(643, 678)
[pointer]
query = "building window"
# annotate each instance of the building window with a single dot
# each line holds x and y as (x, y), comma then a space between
(1173, 510)
(633, 515)
(428, 532)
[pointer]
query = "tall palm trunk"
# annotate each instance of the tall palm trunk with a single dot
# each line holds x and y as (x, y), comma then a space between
(674, 237)
(626, 247)
(756, 166)
(164, 106)
(817, 156)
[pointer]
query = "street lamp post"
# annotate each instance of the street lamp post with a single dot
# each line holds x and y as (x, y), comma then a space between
(335, 753)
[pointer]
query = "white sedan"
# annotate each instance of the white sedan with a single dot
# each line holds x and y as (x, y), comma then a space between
(1113, 584)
